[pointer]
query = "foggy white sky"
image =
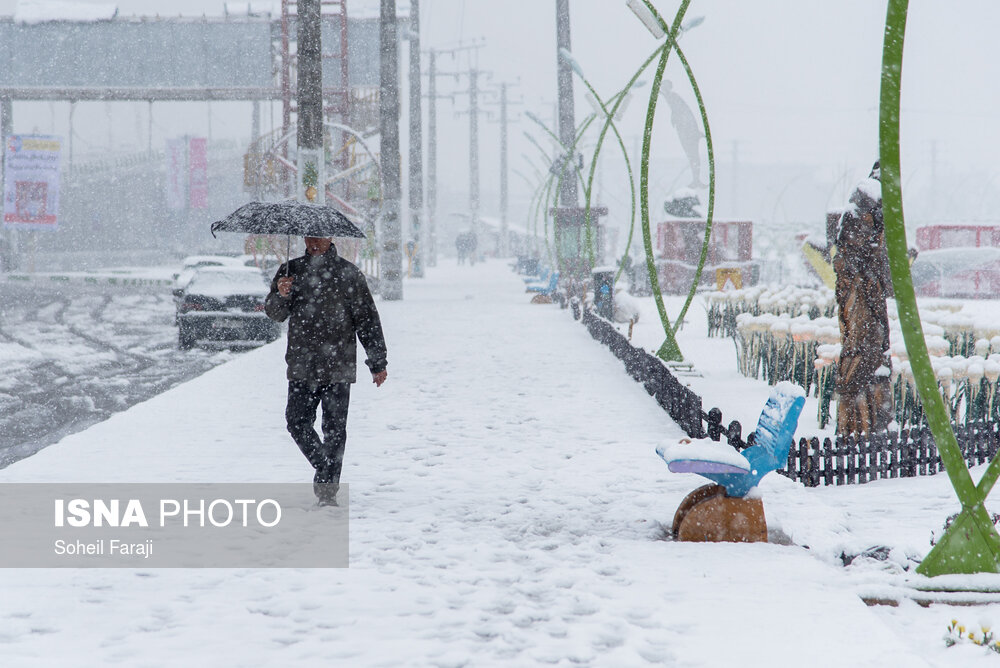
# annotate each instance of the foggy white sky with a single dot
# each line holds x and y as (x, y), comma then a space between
(791, 88)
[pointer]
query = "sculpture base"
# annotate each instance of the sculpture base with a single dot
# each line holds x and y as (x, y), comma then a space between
(708, 515)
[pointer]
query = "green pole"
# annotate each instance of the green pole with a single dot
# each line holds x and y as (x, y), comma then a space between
(971, 544)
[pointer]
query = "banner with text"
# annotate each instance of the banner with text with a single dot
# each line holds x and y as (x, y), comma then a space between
(164, 525)
(31, 182)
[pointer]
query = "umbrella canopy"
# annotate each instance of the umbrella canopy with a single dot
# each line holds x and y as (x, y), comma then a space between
(289, 217)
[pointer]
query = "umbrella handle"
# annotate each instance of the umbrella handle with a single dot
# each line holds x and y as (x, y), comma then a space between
(288, 253)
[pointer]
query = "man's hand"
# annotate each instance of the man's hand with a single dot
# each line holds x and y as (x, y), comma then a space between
(285, 286)
(379, 378)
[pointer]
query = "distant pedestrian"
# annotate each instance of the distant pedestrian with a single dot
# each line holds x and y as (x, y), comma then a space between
(472, 248)
(328, 306)
(465, 246)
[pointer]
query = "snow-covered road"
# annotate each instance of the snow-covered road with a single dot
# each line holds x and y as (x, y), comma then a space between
(73, 354)
(506, 504)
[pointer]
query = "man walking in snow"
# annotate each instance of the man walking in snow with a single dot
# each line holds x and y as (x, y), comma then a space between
(328, 306)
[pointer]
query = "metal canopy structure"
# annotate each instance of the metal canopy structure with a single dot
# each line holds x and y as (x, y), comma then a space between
(123, 54)
(171, 59)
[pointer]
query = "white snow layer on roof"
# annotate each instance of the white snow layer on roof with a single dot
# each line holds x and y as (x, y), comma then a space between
(42, 11)
(253, 8)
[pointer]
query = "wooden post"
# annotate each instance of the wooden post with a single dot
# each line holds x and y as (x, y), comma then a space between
(828, 461)
(813, 446)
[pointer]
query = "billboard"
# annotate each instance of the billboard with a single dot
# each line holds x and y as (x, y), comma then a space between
(31, 182)
(186, 164)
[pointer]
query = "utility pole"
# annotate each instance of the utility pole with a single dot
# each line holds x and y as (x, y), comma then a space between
(504, 240)
(416, 187)
(503, 248)
(934, 178)
(309, 98)
(433, 96)
(736, 175)
(432, 159)
(255, 148)
(8, 249)
(568, 193)
(474, 149)
(473, 112)
(72, 108)
(575, 226)
(391, 281)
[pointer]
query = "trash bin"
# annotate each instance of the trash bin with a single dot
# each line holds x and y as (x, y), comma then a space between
(604, 292)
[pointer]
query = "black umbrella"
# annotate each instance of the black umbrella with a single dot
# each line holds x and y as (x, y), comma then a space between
(289, 217)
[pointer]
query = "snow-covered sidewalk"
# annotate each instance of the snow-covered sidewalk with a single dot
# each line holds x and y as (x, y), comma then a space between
(506, 501)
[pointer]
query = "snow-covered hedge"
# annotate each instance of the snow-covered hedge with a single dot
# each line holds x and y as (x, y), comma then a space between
(800, 346)
(724, 307)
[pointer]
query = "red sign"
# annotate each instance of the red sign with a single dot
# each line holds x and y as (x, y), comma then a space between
(198, 173)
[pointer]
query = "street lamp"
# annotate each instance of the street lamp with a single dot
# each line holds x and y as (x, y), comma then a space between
(645, 14)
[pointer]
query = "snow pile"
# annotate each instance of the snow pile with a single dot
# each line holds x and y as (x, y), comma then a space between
(252, 8)
(704, 450)
(627, 308)
(785, 392)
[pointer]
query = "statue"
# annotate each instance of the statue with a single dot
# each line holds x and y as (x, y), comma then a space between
(688, 131)
(862, 286)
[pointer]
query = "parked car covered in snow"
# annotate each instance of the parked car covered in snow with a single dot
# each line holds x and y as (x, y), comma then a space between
(224, 304)
(971, 273)
(193, 263)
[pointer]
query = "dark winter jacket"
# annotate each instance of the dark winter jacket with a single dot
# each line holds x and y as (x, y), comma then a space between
(329, 306)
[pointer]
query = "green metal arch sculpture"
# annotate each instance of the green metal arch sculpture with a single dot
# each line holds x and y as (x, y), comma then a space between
(669, 351)
(971, 544)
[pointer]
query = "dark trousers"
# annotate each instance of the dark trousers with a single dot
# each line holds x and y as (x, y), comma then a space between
(327, 455)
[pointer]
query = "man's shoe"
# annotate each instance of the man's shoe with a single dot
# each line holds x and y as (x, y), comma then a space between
(326, 493)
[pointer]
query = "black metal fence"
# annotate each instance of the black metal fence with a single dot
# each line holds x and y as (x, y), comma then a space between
(847, 460)
(844, 460)
(683, 405)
